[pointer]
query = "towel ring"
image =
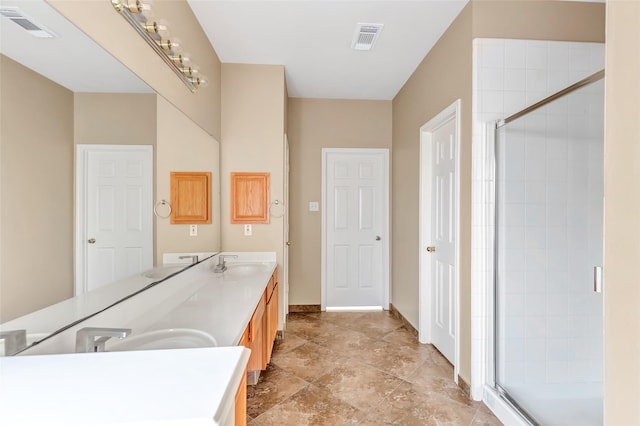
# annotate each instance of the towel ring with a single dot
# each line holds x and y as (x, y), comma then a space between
(161, 203)
(276, 203)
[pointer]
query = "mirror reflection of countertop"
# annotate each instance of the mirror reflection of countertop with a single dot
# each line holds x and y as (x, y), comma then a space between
(47, 320)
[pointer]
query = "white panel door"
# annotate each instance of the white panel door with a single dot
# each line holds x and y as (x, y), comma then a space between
(443, 234)
(355, 226)
(119, 221)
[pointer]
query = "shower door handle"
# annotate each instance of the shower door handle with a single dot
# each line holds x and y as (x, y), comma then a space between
(597, 279)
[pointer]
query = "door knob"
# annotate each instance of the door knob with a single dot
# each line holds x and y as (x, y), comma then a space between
(288, 243)
(431, 249)
(378, 238)
(91, 241)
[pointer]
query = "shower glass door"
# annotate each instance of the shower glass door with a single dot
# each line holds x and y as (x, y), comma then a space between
(549, 230)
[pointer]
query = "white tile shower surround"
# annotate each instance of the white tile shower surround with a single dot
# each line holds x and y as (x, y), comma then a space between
(554, 327)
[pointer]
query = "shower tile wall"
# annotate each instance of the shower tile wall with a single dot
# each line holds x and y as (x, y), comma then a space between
(552, 331)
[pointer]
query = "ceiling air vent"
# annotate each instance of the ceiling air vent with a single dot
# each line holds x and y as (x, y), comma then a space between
(29, 25)
(365, 36)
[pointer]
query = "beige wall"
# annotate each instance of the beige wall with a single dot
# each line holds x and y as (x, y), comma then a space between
(315, 124)
(100, 21)
(182, 146)
(253, 114)
(36, 220)
(115, 118)
(622, 215)
(444, 76)
(539, 20)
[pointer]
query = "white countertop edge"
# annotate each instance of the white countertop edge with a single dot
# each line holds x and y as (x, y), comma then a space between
(136, 388)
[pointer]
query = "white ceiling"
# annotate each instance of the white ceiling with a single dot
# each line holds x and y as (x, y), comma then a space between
(71, 59)
(312, 39)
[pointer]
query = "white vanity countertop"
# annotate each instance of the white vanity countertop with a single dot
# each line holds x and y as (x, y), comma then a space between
(222, 306)
(167, 387)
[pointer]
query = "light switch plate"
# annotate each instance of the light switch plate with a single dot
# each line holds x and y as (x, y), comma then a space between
(314, 206)
(193, 230)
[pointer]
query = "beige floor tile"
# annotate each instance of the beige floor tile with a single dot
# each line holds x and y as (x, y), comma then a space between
(359, 385)
(275, 386)
(375, 324)
(438, 379)
(397, 360)
(308, 361)
(310, 406)
(408, 405)
(345, 342)
(290, 342)
(314, 330)
(341, 319)
(364, 369)
(484, 417)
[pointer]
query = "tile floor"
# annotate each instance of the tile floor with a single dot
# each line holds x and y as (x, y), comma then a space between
(337, 368)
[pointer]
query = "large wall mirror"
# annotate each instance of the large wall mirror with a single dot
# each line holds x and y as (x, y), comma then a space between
(58, 92)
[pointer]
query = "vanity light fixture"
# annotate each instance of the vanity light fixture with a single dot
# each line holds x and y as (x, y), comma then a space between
(138, 14)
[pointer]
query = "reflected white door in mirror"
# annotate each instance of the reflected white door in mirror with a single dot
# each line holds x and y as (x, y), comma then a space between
(114, 216)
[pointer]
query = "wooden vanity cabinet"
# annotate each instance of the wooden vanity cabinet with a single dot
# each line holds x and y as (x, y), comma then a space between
(272, 317)
(259, 336)
(255, 338)
(240, 416)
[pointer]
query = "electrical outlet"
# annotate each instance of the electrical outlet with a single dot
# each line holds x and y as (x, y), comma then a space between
(247, 230)
(314, 206)
(193, 230)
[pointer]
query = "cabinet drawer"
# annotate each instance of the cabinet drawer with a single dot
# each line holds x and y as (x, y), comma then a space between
(273, 282)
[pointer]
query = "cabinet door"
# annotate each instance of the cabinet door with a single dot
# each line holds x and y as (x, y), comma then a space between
(272, 321)
(244, 340)
(249, 197)
(240, 418)
(190, 197)
(256, 338)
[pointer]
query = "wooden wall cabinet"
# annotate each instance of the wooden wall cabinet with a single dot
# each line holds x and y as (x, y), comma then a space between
(190, 197)
(249, 197)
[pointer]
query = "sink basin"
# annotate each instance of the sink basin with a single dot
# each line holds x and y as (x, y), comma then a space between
(245, 269)
(170, 338)
(162, 272)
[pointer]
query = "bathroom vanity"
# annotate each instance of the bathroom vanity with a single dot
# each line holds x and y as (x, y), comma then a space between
(185, 360)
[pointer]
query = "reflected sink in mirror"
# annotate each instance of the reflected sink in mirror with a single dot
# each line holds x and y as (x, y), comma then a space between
(162, 272)
(169, 338)
(243, 269)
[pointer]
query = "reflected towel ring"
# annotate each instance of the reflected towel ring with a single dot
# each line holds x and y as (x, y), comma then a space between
(276, 203)
(161, 203)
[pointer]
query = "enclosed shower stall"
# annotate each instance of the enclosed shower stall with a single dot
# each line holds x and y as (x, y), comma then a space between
(549, 187)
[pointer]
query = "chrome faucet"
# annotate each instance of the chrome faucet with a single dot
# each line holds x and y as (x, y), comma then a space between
(194, 258)
(86, 338)
(14, 341)
(222, 266)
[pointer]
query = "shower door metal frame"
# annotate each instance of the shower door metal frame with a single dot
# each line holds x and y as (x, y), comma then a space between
(494, 127)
